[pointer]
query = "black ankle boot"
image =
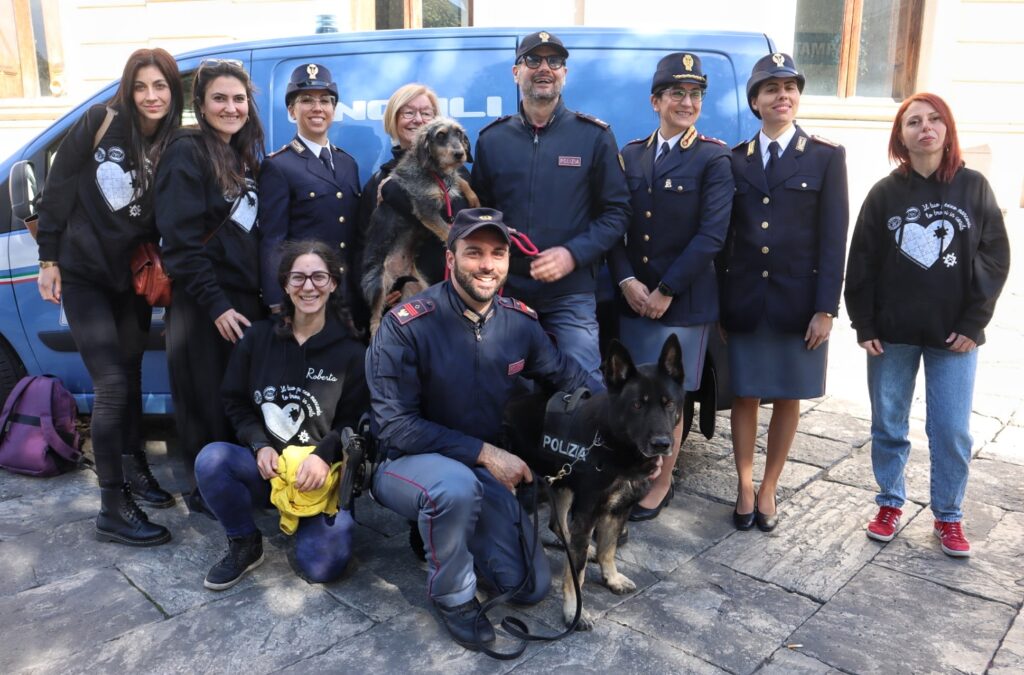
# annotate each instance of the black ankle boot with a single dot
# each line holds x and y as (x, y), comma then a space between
(244, 554)
(143, 482)
(122, 521)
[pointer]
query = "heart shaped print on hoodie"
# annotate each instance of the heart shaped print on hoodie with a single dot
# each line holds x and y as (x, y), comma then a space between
(115, 184)
(283, 421)
(925, 243)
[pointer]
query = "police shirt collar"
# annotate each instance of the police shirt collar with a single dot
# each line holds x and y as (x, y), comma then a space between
(313, 146)
(555, 114)
(783, 140)
(462, 308)
(671, 141)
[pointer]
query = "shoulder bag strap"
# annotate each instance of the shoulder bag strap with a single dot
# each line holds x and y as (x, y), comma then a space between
(12, 400)
(111, 114)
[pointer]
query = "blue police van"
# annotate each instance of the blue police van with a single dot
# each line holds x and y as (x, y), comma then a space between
(609, 75)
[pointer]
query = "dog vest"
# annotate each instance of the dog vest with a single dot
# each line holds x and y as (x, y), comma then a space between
(565, 439)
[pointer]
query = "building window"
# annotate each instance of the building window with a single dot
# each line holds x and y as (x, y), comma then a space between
(422, 13)
(859, 47)
(31, 58)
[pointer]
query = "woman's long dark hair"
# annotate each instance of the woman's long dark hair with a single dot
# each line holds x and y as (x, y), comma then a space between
(246, 144)
(336, 305)
(138, 148)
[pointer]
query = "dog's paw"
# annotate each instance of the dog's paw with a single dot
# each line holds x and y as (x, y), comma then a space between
(620, 584)
(586, 620)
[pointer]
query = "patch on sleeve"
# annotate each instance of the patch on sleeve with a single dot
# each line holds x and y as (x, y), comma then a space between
(517, 367)
(512, 303)
(590, 118)
(825, 141)
(712, 139)
(412, 310)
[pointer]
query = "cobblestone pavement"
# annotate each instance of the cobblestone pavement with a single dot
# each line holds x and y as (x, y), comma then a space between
(814, 596)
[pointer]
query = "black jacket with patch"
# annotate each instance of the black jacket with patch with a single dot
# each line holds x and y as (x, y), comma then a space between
(93, 213)
(189, 206)
(926, 259)
(279, 393)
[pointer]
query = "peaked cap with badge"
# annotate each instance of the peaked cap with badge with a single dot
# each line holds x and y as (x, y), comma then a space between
(769, 67)
(310, 77)
(678, 68)
(541, 38)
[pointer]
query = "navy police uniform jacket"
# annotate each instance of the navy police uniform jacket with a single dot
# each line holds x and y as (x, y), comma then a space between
(784, 256)
(679, 223)
(301, 199)
(562, 185)
(440, 376)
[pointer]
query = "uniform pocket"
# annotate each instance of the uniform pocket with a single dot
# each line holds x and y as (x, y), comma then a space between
(679, 185)
(804, 183)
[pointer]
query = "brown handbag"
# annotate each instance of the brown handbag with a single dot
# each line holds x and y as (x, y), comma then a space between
(148, 275)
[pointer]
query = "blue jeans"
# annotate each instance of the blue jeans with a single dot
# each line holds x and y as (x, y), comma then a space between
(949, 390)
(232, 487)
(572, 320)
(467, 520)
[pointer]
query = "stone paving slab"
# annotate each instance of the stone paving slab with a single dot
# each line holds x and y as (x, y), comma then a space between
(786, 661)
(612, 648)
(837, 427)
(718, 615)
(856, 632)
(697, 445)
(1010, 657)
(257, 631)
(59, 619)
(686, 527)
(815, 450)
(995, 571)
(67, 498)
(1008, 446)
(818, 546)
(997, 483)
(856, 471)
(859, 407)
(717, 479)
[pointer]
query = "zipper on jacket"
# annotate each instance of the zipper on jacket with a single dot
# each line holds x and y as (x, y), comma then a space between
(533, 177)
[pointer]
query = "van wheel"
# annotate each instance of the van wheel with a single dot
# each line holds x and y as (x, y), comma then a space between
(11, 369)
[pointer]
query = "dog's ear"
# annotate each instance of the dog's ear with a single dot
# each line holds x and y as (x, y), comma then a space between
(671, 360)
(618, 365)
(466, 145)
(423, 143)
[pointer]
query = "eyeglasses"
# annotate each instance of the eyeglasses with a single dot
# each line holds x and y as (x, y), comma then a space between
(319, 279)
(309, 101)
(677, 95)
(408, 114)
(532, 61)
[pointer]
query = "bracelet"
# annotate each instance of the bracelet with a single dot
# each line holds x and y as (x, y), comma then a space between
(43, 264)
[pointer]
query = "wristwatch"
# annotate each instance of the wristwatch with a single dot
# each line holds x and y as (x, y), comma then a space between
(43, 264)
(665, 290)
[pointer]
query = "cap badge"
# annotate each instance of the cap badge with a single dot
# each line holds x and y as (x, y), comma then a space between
(779, 59)
(544, 37)
(312, 69)
(668, 183)
(485, 217)
(687, 62)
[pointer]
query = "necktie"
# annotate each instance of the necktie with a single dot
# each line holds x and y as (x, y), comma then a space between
(662, 154)
(773, 157)
(325, 157)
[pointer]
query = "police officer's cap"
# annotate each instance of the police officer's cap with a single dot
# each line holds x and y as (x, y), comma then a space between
(468, 221)
(310, 77)
(768, 67)
(678, 68)
(541, 38)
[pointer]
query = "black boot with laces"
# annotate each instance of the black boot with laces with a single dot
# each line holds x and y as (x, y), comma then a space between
(122, 521)
(143, 483)
(244, 554)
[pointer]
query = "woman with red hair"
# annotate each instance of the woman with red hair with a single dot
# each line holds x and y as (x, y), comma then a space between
(928, 259)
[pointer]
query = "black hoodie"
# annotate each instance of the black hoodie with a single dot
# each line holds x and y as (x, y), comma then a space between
(279, 393)
(927, 259)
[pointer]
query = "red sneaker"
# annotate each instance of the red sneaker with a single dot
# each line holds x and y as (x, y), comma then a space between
(951, 538)
(883, 527)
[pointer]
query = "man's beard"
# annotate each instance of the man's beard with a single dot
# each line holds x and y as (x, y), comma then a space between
(465, 281)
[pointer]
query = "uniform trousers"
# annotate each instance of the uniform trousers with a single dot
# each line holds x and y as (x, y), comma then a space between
(572, 321)
(110, 330)
(197, 357)
(232, 487)
(468, 520)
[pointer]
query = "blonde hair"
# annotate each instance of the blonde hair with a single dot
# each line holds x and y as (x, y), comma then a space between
(402, 96)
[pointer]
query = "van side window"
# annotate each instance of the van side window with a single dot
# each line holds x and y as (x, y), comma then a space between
(188, 115)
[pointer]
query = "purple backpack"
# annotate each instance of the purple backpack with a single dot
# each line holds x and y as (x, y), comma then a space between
(37, 428)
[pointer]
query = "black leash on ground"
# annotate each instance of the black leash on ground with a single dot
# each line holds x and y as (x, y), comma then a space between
(513, 626)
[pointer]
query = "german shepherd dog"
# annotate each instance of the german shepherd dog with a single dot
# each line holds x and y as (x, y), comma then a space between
(632, 426)
(394, 238)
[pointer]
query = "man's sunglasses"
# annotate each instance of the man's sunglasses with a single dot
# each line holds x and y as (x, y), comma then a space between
(532, 61)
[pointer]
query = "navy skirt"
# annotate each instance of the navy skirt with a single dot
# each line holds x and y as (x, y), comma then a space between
(769, 364)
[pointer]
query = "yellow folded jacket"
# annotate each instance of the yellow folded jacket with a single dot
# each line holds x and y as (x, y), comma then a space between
(293, 504)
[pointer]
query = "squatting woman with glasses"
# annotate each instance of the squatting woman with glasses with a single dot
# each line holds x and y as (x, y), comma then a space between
(97, 207)
(206, 211)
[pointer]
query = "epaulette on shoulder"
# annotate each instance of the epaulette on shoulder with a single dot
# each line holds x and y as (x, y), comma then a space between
(590, 118)
(519, 306)
(638, 140)
(337, 149)
(492, 123)
(298, 146)
(412, 310)
(277, 152)
(712, 139)
(824, 141)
